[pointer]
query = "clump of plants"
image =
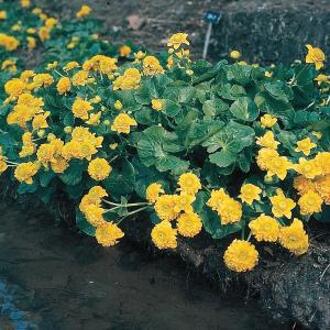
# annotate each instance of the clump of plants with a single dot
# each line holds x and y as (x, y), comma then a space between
(232, 149)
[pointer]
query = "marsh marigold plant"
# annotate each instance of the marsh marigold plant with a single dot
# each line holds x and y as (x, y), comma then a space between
(232, 150)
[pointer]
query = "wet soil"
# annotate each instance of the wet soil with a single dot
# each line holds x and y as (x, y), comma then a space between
(55, 279)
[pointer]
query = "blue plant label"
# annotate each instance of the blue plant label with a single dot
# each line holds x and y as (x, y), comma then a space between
(212, 17)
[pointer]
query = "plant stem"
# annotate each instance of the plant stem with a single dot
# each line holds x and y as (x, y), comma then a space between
(131, 213)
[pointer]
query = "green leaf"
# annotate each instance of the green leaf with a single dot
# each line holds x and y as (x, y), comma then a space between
(245, 109)
(223, 158)
(25, 188)
(155, 147)
(171, 108)
(233, 137)
(279, 90)
(73, 174)
(212, 108)
(120, 182)
(84, 225)
(146, 92)
(45, 177)
(240, 74)
(211, 221)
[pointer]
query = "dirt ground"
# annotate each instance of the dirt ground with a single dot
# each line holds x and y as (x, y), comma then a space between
(265, 30)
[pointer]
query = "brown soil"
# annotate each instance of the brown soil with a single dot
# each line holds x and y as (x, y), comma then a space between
(265, 30)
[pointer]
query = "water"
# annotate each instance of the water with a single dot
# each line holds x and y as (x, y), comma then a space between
(51, 278)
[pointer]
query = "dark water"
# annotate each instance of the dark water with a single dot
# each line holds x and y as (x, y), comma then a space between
(51, 278)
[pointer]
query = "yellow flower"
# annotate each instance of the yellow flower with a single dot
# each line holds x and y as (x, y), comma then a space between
(123, 123)
(322, 186)
(308, 168)
(97, 192)
(71, 65)
(9, 65)
(31, 30)
(118, 105)
(3, 15)
(265, 228)
(164, 236)
(265, 155)
(64, 85)
(268, 121)
(242, 63)
(189, 224)
(94, 214)
(268, 140)
(83, 11)
(309, 203)
(25, 171)
(151, 66)
(294, 238)
(93, 197)
(305, 146)
(235, 54)
(59, 165)
(51, 22)
(230, 211)
(40, 121)
(157, 104)
(32, 42)
(189, 183)
(28, 147)
(14, 87)
(94, 119)
(323, 160)
(25, 3)
(268, 74)
(250, 193)
(44, 33)
(124, 50)
(3, 164)
(315, 56)
(153, 191)
(139, 56)
(8, 42)
(317, 134)
(178, 39)
(83, 144)
(42, 80)
(302, 185)
(99, 169)
(165, 207)
(282, 206)
(129, 80)
(80, 108)
(183, 202)
(80, 78)
(103, 64)
(322, 78)
(241, 256)
(108, 234)
(216, 199)
(278, 166)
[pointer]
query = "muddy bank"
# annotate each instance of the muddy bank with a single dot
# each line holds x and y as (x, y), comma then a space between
(51, 278)
(267, 31)
(289, 290)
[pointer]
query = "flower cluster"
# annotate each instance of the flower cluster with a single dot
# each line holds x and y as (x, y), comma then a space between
(232, 149)
(177, 207)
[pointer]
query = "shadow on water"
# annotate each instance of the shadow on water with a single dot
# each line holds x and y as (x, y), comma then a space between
(51, 278)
